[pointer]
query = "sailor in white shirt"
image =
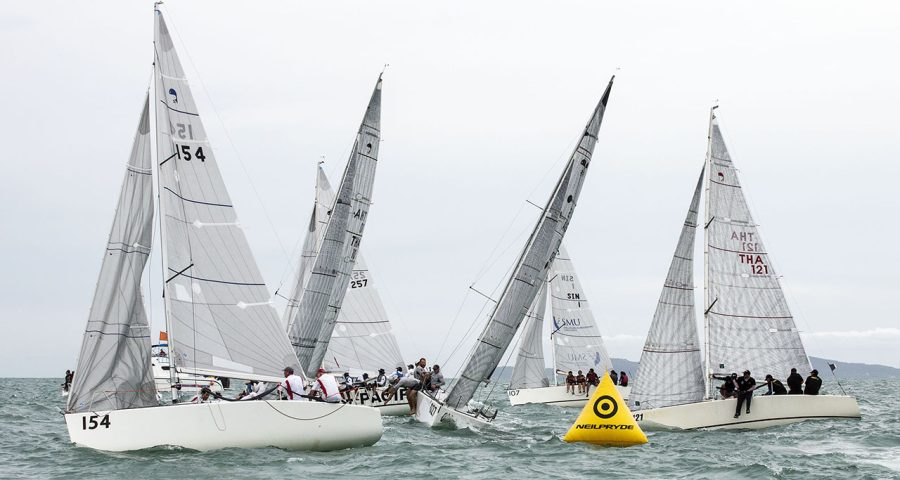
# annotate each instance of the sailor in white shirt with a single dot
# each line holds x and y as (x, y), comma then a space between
(327, 387)
(293, 385)
(254, 389)
(205, 396)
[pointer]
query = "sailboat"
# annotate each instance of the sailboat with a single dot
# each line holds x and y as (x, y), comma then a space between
(575, 338)
(326, 279)
(362, 340)
(529, 274)
(219, 316)
(748, 324)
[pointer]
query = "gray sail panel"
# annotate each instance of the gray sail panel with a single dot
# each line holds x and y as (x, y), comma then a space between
(531, 268)
(749, 323)
(671, 368)
(530, 371)
(577, 343)
(362, 338)
(113, 370)
(219, 311)
(317, 221)
(323, 297)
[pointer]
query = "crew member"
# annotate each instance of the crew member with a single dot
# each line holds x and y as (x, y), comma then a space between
(592, 378)
(570, 383)
(614, 377)
(326, 387)
(253, 389)
(381, 380)
(775, 386)
(623, 379)
(795, 383)
(579, 379)
(726, 390)
(293, 385)
(437, 379)
(745, 386)
(203, 397)
(813, 383)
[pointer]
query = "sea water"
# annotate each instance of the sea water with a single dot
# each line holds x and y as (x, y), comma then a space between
(524, 443)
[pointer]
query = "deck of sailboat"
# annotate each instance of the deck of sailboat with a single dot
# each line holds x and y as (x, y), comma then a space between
(555, 395)
(765, 411)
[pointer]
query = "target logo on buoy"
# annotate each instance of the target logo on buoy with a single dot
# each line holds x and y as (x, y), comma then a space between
(605, 407)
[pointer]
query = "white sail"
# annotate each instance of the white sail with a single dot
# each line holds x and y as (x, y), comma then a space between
(671, 368)
(577, 343)
(113, 370)
(530, 371)
(362, 338)
(324, 292)
(219, 313)
(318, 219)
(749, 325)
(530, 269)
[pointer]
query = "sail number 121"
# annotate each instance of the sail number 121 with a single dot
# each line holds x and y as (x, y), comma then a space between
(91, 423)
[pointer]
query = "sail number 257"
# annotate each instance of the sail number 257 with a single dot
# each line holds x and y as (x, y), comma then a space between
(91, 423)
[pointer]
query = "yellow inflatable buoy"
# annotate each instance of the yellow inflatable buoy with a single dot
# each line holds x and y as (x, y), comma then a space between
(606, 420)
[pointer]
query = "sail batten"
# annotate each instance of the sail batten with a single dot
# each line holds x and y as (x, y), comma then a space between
(749, 323)
(219, 312)
(113, 370)
(670, 371)
(530, 269)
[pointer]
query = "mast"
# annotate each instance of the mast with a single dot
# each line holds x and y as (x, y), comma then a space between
(173, 374)
(706, 305)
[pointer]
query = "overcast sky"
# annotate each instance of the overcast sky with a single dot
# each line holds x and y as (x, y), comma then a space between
(482, 103)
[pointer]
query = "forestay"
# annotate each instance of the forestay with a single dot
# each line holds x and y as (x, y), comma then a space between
(324, 292)
(530, 269)
(220, 315)
(577, 343)
(113, 370)
(671, 370)
(362, 339)
(529, 371)
(749, 325)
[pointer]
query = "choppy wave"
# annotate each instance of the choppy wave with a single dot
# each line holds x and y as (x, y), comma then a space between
(525, 443)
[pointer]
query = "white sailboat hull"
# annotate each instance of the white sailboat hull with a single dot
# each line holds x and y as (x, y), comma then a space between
(555, 395)
(396, 406)
(765, 411)
(290, 425)
(434, 413)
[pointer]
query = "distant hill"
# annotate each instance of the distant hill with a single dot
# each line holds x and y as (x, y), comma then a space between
(843, 370)
(854, 370)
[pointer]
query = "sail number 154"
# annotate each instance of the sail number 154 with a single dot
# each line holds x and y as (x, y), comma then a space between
(91, 423)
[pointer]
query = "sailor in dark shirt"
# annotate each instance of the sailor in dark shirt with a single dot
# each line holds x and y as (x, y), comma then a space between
(775, 386)
(795, 383)
(813, 383)
(745, 392)
(726, 390)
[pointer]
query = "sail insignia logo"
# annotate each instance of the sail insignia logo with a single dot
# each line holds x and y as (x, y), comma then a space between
(174, 95)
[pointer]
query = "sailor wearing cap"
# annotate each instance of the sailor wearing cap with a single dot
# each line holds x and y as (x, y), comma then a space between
(326, 386)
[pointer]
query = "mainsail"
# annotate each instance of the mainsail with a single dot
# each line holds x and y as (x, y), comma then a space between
(671, 370)
(113, 370)
(219, 312)
(577, 343)
(529, 371)
(323, 294)
(749, 325)
(362, 338)
(531, 268)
